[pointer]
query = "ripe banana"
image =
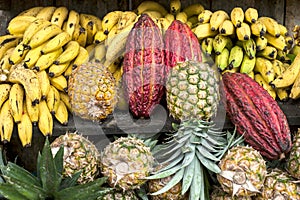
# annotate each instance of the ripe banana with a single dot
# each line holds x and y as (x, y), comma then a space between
(237, 16)
(181, 16)
(295, 91)
(150, 5)
(220, 42)
(56, 70)
(278, 67)
(4, 62)
(207, 45)
(249, 47)
(243, 32)
(100, 37)
(46, 13)
(227, 28)
(80, 35)
(164, 24)
(258, 28)
(271, 25)
(4, 92)
(44, 83)
(46, 60)
(45, 123)
(33, 111)
(175, 6)
(32, 56)
(56, 42)
(18, 54)
(89, 25)
(25, 130)
(31, 11)
(70, 52)
(221, 60)
(283, 30)
(82, 57)
(152, 13)
(217, 19)
(282, 94)
(6, 122)
(268, 52)
(261, 43)
(62, 114)
(44, 35)
(67, 73)
(59, 15)
(204, 30)
(111, 19)
(64, 97)
(72, 21)
(113, 32)
(18, 24)
(29, 80)
(235, 57)
(100, 52)
(53, 99)
(16, 96)
(247, 64)
(127, 18)
(60, 82)
(168, 16)
(278, 42)
(204, 16)
(261, 81)
(265, 68)
(193, 9)
(34, 27)
(115, 65)
(251, 15)
(8, 43)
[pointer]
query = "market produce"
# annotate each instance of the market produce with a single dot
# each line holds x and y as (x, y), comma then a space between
(119, 194)
(219, 194)
(293, 159)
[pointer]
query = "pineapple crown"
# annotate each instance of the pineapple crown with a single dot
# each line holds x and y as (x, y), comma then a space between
(20, 184)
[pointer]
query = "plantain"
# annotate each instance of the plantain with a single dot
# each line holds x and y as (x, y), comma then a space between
(236, 55)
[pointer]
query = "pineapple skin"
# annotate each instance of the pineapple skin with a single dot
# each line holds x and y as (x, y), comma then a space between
(219, 194)
(120, 195)
(293, 161)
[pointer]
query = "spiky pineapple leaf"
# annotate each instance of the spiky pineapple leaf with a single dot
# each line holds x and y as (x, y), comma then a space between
(197, 182)
(10, 192)
(209, 164)
(70, 180)
(59, 160)
(172, 163)
(188, 177)
(166, 173)
(142, 193)
(188, 156)
(206, 153)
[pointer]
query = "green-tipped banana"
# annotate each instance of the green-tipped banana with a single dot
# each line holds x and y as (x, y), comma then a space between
(220, 42)
(235, 57)
(207, 45)
(269, 52)
(221, 60)
(247, 65)
(250, 48)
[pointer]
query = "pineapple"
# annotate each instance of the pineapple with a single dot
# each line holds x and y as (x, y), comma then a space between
(192, 91)
(293, 162)
(279, 185)
(79, 154)
(189, 155)
(243, 171)
(126, 162)
(120, 195)
(93, 91)
(219, 194)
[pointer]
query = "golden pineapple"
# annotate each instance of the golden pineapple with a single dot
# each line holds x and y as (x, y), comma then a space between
(93, 91)
(293, 162)
(120, 195)
(219, 194)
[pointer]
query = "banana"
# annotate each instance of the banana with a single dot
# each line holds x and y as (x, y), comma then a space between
(233, 70)
(220, 42)
(207, 45)
(235, 57)
(64, 97)
(288, 77)
(25, 129)
(204, 16)
(62, 114)
(217, 19)
(46, 13)
(80, 35)
(153, 14)
(251, 74)
(221, 59)
(251, 15)
(295, 90)
(4, 62)
(193, 9)
(32, 56)
(91, 50)
(33, 11)
(45, 122)
(44, 35)
(281, 55)
(81, 58)
(282, 94)
(261, 42)
(278, 67)
(249, 47)
(67, 73)
(237, 16)
(4, 92)
(72, 21)
(7, 38)
(268, 52)
(89, 25)
(115, 65)
(289, 41)
(8, 43)
(227, 28)
(35, 26)
(169, 17)
(18, 24)
(113, 32)
(277, 42)
(18, 54)
(53, 99)
(70, 52)
(118, 75)
(100, 37)
(243, 32)
(295, 50)
(100, 52)
(204, 30)
(150, 5)
(283, 30)
(32, 111)
(175, 6)
(111, 19)
(164, 24)
(56, 42)
(56, 70)
(265, 68)
(46, 60)
(126, 19)
(6, 122)
(59, 15)
(16, 96)
(181, 16)
(44, 83)
(271, 25)
(247, 64)
(60, 82)
(258, 28)
(261, 81)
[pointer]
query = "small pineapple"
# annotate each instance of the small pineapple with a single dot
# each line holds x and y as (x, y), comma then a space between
(243, 171)
(279, 185)
(219, 194)
(93, 91)
(192, 91)
(79, 154)
(120, 195)
(293, 162)
(126, 162)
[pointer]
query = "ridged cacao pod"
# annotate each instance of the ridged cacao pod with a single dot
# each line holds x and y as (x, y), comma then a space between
(256, 115)
(181, 44)
(144, 72)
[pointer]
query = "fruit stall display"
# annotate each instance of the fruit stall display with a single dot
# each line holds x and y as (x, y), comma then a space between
(157, 100)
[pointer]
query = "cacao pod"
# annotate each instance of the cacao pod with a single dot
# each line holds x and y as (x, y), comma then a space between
(144, 72)
(256, 115)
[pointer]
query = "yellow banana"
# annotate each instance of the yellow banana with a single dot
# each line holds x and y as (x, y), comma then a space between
(32, 56)
(33, 11)
(221, 59)
(59, 15)
(46, 13)
(295, 50)
(271, 25)
(277, 42)
(56, 42)
(204, 30)
(100, 52)
(295, 90)
(8, 38)
(91, 50)
(282, 94)
(34, 27)
(220, 42)
(207, 45)
(18, 24)
(46, 60)
(278, 67)
(82, 57)
(169, 17)
(283, 30)
(237, 16)
(62, 114)
(261, 42)
(25, 130)
(60, 83)
(4, 92)
(70, 52)
(227, 28)
(247, 64)
(258, 28)
(45, 123)
(4, 62)
(44, 35)
(164, 24)
(64, 97)
(118, 75)
(100, 37)
(261, 81)
(233, 70)
(110, 20)
(16, 96)
(44, 83)
(175, 6)
(72, 21)
(53, 99)
(243, 32)
(56, 70)
(127, 18)
(265, 68)
(204, 16)
(251, 74)
(181, 16)
(153, 14)
(29, 80)
(236, 55)
(89, 25)
(67, 73)
(113, 66)
(251, 15)
(33, 111)
(18, 54)
(113, 32)
(8, 43)
(149, 5)
(217, 19)
(80, 35)
(6, 122)
(268, 52)
(193, 9)
(249, 47)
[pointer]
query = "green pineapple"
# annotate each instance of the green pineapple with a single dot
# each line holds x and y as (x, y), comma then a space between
(293, 162)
